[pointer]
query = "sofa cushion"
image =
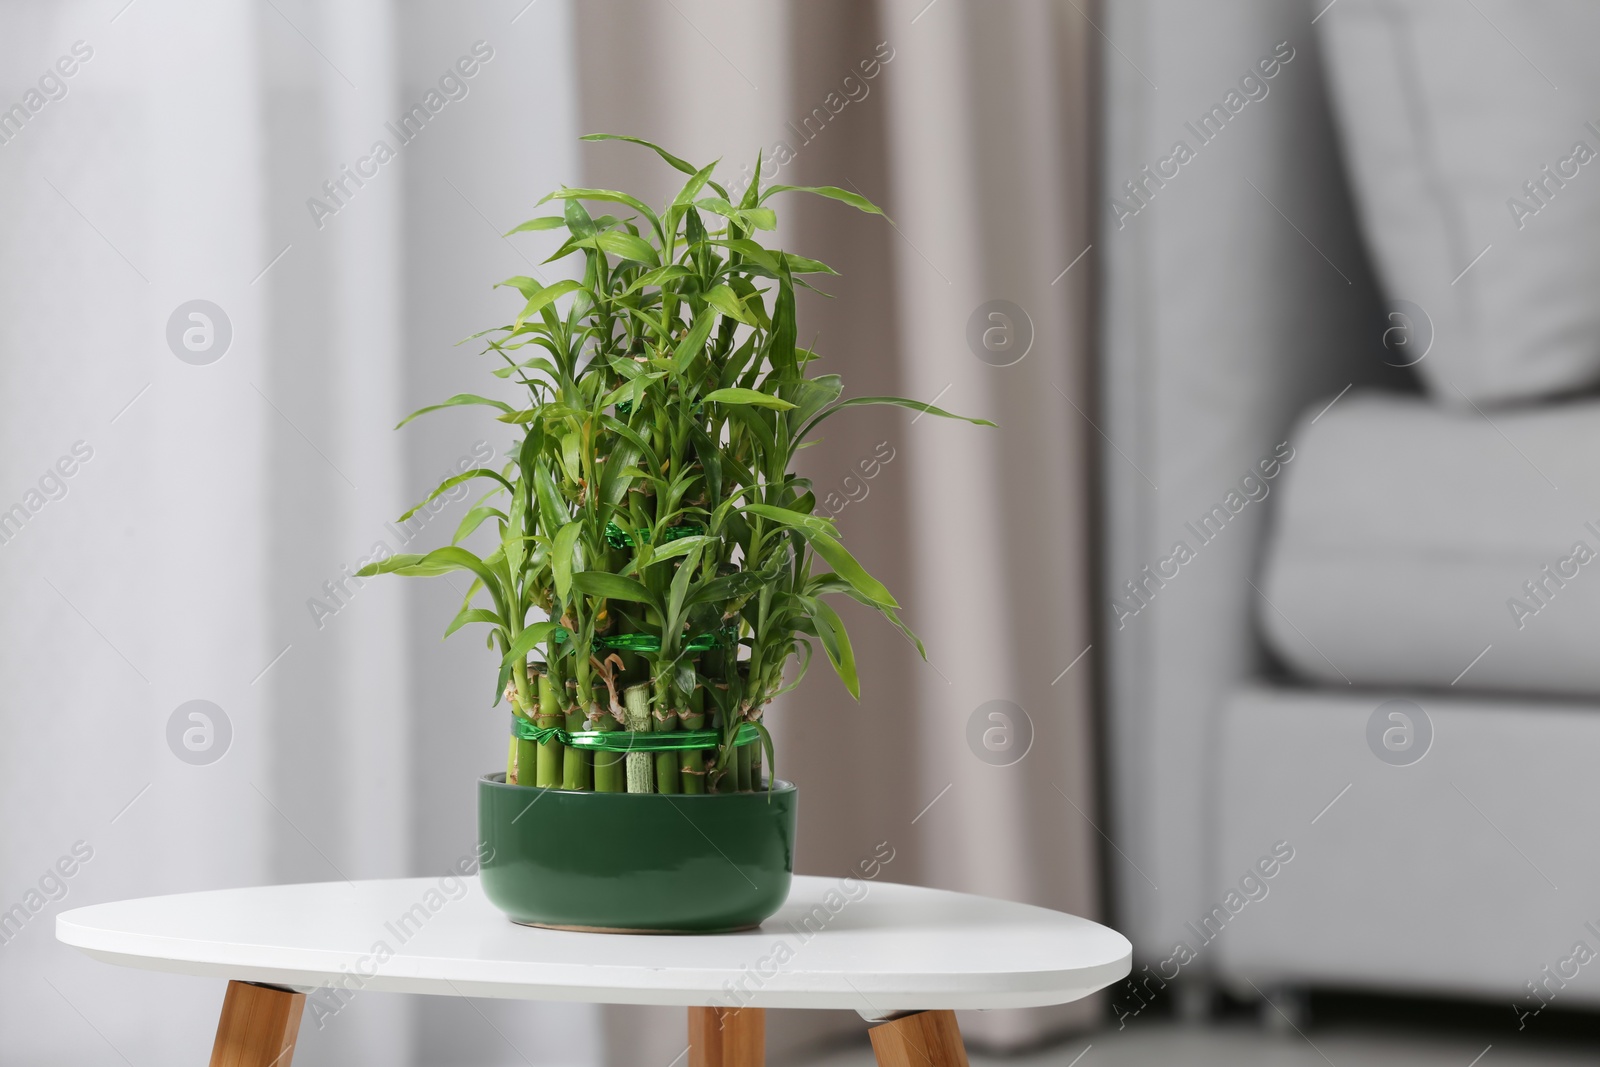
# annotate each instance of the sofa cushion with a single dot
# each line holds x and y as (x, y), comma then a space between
(1478, 184)
(1414, 545)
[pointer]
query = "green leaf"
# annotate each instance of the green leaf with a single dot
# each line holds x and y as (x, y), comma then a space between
(672, 617)
(539, 296)
(780, 343)
(672, 160)
(753, 397)
(846, 566)
(471, 614)
(626, 245)
(836, 643)
(726, 301)
(788, 517)
(439, 561)
(613, 197)
(759, 218)
(692, 187)
(614, 587)
(832, 192)
(528, 639)
(459, 479)
(892, 401)
(459, 400)
(561, 558)
(544, 222)
(475, 518)
(680, 547)
(694, 342)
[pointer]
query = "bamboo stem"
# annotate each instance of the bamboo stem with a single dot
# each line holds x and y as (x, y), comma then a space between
(576, 772)
(691, 762)
(741, 761)
(608, 768)
(640, 767)
(511, 760)
(549, 755)
(668, 779)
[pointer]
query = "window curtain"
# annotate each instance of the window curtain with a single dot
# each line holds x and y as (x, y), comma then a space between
(185, 498)
(186, 488)
(970, 124)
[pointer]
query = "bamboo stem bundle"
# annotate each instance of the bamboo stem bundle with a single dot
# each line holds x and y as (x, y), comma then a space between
(640, 767)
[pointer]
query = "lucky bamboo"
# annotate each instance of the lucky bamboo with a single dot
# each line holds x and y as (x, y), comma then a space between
(640, 767)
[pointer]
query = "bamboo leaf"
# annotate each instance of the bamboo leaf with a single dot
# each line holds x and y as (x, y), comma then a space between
(692, 187)
(694, 342)
(672, 160)
(614, 587)
(561, 558)
(752, 397)
(459, 400)
(836, 643)
(832, 192)
(471, 614)
(539, 296)
(475, 518)
(626, 245)
(528, 640)
(610, 196)
(892, 401)
(544, 222)
(759, 218)
(455, 480)
(846, 566)
(726, 301)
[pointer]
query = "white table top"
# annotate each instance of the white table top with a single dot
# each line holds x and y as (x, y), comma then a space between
(892, 948)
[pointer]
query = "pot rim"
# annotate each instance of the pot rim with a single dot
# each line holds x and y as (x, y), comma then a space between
(498, 778)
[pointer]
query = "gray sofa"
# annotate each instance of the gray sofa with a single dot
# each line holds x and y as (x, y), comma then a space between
(1347, 441)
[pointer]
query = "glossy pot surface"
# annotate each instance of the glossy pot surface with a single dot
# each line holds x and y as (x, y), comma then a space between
(631, 862)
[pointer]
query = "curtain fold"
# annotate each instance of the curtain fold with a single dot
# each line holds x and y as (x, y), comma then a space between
(970, 124)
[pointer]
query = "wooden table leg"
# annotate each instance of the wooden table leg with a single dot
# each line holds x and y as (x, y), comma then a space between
(926, 1039)
(258, 1027)
(727, 1037)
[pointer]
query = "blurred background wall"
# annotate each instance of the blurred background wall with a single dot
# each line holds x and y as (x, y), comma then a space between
(228, 481)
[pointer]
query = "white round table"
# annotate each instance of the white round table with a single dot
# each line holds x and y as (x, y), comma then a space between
(899, 953)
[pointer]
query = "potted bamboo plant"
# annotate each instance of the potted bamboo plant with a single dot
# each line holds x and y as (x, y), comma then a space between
(648, 565)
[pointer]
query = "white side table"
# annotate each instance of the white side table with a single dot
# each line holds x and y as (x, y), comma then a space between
(900, 955)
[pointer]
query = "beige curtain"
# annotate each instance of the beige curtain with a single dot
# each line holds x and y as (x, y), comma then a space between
(970, 123)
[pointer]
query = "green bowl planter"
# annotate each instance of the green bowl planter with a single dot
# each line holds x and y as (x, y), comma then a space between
(651, 569)
(636, 862)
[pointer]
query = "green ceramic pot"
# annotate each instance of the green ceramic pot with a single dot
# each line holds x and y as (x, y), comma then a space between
(636, 863)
